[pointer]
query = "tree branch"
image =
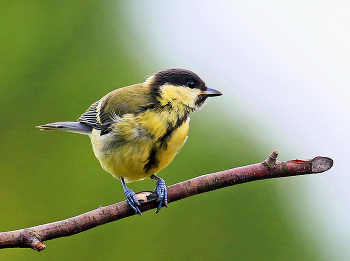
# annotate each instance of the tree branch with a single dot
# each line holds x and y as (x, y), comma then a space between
(270, 168)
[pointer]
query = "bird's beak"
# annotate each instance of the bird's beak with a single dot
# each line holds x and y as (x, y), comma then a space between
(211, 92)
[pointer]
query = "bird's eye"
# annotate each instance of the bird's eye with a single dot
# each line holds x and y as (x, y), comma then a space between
(190, 84)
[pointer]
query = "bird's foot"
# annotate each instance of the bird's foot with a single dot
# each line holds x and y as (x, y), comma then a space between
(131, 199)
(161, 192)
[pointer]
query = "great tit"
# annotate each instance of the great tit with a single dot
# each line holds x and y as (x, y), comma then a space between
(137, 130)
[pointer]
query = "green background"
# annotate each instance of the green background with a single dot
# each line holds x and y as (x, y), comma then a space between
(57, 58)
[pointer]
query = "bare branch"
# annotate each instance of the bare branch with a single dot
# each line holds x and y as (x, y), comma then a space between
(270, 168)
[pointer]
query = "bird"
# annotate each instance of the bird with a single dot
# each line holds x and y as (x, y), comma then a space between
(137, 130)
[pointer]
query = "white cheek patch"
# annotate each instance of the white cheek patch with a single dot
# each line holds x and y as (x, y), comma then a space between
(180, 94)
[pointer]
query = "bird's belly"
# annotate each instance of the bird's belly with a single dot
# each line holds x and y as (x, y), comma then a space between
(129, 160)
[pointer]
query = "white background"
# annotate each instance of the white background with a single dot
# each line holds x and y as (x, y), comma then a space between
(286, 66)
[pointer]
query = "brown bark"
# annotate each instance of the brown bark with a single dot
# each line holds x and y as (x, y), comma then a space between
(270, 168)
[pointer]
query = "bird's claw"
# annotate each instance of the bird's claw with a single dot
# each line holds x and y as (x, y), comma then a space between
(132, 200)
(162, 194)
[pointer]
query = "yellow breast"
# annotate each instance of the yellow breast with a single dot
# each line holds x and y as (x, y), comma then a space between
(134, 149)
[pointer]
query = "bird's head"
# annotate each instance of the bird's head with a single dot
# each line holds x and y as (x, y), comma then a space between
(180, 87)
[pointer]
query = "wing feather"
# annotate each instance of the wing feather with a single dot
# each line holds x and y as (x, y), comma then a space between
(113, 106)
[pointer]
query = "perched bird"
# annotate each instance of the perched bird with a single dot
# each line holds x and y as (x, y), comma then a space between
(137, 130)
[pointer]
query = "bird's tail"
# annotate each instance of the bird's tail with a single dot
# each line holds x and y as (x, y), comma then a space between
(70, 126)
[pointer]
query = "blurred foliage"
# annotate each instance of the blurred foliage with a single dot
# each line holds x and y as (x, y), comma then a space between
(58, 57)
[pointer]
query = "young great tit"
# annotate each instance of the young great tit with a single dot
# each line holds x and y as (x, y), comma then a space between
(137, 130)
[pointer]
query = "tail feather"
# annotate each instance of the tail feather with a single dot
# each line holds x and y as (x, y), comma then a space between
(70, 126)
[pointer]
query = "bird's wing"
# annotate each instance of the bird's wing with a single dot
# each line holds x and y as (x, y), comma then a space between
(113, 106)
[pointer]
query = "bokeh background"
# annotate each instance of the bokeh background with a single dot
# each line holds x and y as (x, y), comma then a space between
(283, 67)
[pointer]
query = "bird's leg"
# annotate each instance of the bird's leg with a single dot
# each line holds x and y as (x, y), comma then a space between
(161, 192)
(131, 198)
